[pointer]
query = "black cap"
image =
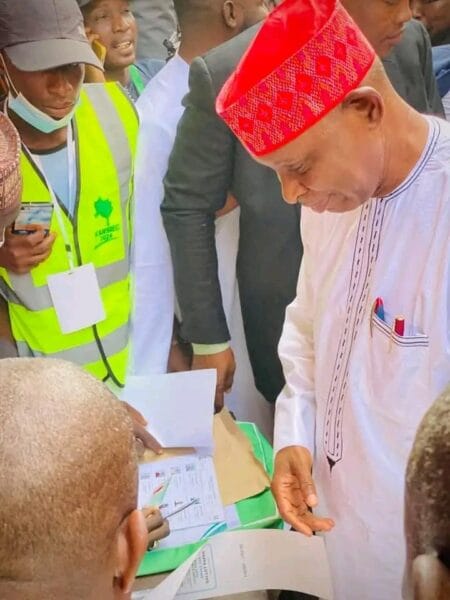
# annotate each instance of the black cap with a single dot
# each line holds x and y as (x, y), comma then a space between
(43, 34)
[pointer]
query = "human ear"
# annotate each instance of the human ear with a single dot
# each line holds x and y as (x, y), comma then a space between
(229, 14)
(131, 543)
(367, 102)
(430, 578)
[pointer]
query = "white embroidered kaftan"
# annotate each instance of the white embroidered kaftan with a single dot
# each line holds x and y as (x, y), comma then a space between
(355, 392)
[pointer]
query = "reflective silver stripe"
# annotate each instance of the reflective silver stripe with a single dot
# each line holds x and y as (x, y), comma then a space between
(24, 292)
(112, 344)
(7, 293)
(38, 298)
(27, 294)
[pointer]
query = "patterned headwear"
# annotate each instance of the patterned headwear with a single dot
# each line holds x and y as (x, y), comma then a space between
(307, 56)
(10, 179)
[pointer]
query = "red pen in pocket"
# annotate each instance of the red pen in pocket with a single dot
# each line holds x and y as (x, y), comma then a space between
(399, 326)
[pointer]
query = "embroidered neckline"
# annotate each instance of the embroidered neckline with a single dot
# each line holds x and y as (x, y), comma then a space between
(433, 136)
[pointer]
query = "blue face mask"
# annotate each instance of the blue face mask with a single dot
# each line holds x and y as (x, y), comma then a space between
(35, 117)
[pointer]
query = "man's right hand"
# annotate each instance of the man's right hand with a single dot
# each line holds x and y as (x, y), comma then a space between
(224, 363)
(295, 492)
(21, 253)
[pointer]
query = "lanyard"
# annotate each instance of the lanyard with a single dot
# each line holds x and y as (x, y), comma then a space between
(71, 171)
(136, 79)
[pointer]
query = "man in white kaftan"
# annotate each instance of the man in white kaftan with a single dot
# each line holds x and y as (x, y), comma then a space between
(355, 391)
(366, 343)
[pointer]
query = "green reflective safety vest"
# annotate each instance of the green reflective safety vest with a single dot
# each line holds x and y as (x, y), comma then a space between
(105, 129)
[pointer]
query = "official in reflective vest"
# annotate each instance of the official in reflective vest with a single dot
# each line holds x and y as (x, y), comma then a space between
(104, 131)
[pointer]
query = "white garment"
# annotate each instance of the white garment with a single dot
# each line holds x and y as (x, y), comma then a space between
(354, 395)
(153, 311)
(446, 105)
(244, 400)
(160, 109)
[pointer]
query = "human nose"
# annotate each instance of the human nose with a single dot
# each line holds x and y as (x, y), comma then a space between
(60, 82)
(416, 9)
(291, 188)
(405, 13)
(120, 23)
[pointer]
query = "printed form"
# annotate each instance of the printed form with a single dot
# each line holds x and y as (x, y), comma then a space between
(182, 479)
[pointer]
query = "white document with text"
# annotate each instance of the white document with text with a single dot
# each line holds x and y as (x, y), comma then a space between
(245, 561)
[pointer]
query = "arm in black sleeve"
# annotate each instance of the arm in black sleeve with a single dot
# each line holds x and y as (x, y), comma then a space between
(196, 186)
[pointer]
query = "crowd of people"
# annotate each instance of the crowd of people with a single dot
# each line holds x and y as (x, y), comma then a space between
(261, 188)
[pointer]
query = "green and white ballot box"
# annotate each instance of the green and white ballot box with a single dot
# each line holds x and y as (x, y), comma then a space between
(257, 511)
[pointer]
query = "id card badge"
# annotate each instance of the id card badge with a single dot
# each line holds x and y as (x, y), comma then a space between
(76, 298)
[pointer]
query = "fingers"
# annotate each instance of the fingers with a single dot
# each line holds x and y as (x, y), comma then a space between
(147, 438)
(158, 534)
(299, 516)
(306, 484)
(153, 517)
(21, 253)
(295, 493)
(140, 449)
(135, 414)
(218, 399)
(157, 527)
(224, 385)
(41, 245)
(139, 423)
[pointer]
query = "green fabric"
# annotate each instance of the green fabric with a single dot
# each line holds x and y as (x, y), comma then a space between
(205, 349)
(255, 513)
(137, 80)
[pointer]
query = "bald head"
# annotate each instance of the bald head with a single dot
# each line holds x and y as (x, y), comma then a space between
(217, 19)
(68, 476)
(188, 11)
(427, 516)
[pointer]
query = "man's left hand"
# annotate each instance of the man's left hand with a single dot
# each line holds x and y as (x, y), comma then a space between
(139, 428)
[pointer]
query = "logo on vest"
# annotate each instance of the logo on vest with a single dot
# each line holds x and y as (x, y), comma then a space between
(104, 208)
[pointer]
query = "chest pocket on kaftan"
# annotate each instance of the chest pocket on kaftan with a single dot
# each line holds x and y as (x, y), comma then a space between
(398, 367)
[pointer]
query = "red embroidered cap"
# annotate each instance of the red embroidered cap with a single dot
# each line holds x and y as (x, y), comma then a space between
(307, 56)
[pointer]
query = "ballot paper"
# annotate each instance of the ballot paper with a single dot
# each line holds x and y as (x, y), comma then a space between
(246, 561)
(182, 479)
(179, 407)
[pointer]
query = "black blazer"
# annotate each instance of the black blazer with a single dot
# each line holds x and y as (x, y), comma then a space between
(206, 164)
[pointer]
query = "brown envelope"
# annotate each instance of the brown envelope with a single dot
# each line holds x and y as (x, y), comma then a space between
(239, 474)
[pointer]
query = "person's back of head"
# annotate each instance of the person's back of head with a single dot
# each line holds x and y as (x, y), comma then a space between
(427, 515)
(69, 527)
(205, 24)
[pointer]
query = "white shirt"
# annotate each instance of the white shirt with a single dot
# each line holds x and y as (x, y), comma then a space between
(160, 109)
(355, 393)
(446, 105)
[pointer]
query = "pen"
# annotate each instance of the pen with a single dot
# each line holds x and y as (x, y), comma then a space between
(181, 508)
(379, 308)
(399, 326)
